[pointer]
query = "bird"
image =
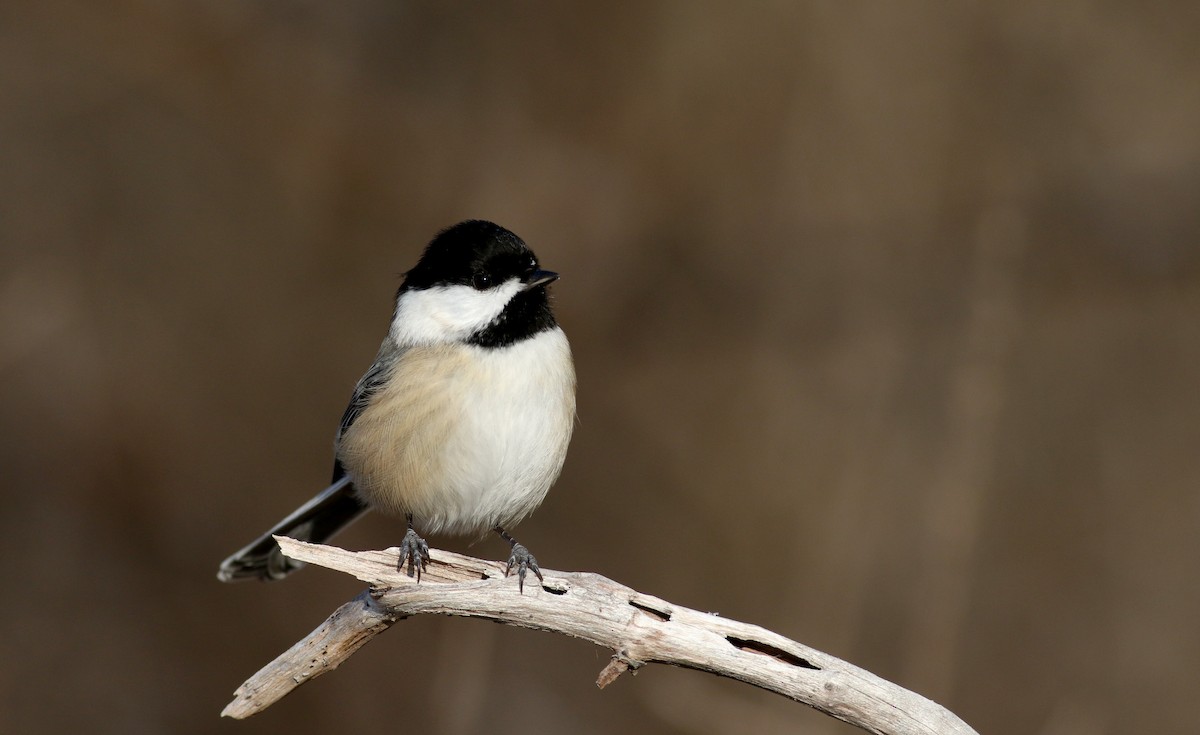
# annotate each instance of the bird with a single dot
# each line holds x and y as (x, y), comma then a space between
(461, 424)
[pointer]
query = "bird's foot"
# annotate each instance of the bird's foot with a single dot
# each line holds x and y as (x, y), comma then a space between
(415, 551)
(523, 561)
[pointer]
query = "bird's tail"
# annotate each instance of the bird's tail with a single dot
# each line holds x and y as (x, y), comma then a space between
(330, 511)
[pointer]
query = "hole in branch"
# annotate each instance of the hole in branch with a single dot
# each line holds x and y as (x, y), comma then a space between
(661, 615)
(767, 649)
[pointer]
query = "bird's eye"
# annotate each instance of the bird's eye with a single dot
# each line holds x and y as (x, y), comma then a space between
(531, 264)
(481, 281)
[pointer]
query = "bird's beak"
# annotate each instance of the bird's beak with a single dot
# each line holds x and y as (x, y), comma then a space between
(539, 278)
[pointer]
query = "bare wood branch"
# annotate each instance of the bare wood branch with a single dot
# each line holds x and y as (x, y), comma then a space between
(639, 628)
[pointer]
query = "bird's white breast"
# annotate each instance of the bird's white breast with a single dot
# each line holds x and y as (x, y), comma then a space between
(466, 438)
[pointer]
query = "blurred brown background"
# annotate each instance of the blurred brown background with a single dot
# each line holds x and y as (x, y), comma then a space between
(885, 318)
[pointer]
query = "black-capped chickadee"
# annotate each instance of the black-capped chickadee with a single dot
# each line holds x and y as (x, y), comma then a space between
(461, 425)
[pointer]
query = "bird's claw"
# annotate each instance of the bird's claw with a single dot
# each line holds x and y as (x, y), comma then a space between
(415, 551)
(523, 561)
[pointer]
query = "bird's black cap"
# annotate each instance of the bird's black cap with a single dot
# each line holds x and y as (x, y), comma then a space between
(473, 253)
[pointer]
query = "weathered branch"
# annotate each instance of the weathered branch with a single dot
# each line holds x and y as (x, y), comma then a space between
(639, 628)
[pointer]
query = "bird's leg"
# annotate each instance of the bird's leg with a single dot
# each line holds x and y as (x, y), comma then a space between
(519, 558)
(414, 550)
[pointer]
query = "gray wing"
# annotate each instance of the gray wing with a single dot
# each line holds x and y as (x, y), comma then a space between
(330, 511)
(368, 385)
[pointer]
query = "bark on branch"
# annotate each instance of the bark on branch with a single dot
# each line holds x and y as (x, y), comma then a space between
(639, 628)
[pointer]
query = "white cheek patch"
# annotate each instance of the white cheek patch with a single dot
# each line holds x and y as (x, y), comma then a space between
(448, 313)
